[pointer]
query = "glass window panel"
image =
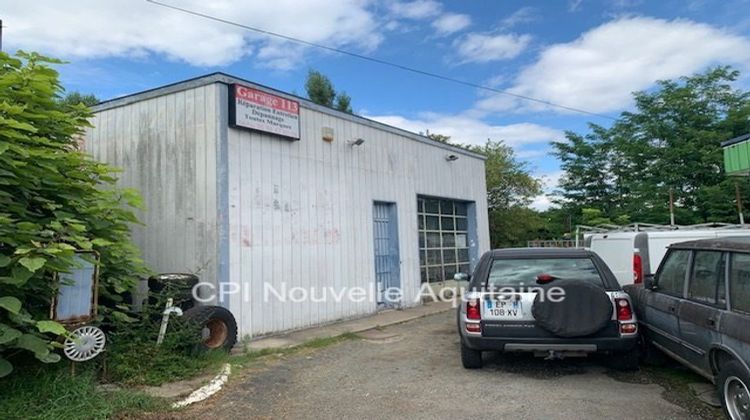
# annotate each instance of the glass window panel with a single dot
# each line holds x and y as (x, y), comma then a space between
(447, 223)
(449, 240)
(461, 209)
(446, 207)
(433, 256)
(464, 268)
(423, 276)
(450, 270)
(672, 276)
(461, 240)
(421, 240)
(462, 223)
(422, 257)
(432, 223)
(708, 270)
(420, 221)
(463, 255)
(739, 282)
(431, 206)
(449, 256)
(435, 274)
(420, 205)
(433, 240)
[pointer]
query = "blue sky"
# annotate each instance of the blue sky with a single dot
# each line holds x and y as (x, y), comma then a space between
(580, 53)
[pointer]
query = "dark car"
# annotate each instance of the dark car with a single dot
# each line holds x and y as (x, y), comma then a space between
(552, 302)
(696, 309)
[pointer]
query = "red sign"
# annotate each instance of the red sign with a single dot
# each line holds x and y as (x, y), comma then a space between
(259, 110)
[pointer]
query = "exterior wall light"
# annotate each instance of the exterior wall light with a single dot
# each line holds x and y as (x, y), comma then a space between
(451, 158)
(357, 142)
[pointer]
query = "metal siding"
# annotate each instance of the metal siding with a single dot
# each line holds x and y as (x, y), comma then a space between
(165, 147)
(301, 213)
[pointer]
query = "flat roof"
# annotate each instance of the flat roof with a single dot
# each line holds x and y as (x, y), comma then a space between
(735, 140)
(219, 77)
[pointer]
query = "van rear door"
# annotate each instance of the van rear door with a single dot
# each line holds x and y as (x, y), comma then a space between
(617, 252)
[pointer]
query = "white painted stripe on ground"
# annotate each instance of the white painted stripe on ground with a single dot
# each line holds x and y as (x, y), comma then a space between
(207, 390)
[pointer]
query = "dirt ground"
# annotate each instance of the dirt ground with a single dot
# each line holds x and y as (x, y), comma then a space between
(413, 371)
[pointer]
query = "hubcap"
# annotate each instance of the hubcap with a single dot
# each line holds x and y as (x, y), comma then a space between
(736, 398)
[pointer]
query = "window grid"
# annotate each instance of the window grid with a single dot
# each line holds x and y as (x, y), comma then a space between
(443, 239)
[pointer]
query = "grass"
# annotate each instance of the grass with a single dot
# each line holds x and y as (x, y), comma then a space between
(53, 392)
(151, 365)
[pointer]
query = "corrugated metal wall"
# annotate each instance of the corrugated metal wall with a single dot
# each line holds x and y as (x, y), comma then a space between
(301, 214)
(166, 147)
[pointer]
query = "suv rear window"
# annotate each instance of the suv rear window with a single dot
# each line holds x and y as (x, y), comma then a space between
(524, 271)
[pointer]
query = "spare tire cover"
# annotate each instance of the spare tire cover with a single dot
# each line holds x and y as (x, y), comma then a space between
(585, 309)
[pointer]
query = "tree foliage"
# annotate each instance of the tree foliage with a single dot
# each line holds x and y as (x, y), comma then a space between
(510, 189)
(75, 98)
(669, 142)
(321, 91)
(54, 200)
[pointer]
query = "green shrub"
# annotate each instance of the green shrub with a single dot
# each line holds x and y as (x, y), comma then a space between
(134, 358)
(54, 199)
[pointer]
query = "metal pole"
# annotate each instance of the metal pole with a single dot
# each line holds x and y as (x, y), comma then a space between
(578, 232)
(739, 202)
(671, 207)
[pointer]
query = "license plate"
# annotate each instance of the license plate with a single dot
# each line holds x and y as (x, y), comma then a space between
(504, 307)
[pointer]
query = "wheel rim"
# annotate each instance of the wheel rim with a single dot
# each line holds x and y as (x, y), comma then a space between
(736, 398)
(215, 333)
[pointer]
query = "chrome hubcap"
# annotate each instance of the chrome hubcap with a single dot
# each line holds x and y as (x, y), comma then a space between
(736, 398)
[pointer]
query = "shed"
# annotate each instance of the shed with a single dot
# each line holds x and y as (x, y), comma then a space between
(285, 207)
(737, 155)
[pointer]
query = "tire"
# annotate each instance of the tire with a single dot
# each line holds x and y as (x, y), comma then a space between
(218, 326)
(470, 358)
(733, 384)
(627, 361)
(564, 318)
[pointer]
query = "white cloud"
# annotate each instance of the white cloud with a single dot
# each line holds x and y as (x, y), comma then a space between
(418, 9)
(117, 28)
(523, 15)
(573, 5)
(482, 48)
(467, 129)
(450, 23)
(543, 201)
(599, 70)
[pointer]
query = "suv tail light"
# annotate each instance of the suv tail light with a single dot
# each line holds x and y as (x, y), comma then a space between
(472, 310)
(637, 268)
(624, 311)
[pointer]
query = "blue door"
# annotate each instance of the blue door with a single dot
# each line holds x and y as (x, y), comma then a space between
(387, 261)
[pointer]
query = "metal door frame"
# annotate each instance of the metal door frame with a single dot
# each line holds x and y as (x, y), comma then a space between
(394, 250)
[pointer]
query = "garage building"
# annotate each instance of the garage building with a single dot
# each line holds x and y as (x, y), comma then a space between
(274, 197)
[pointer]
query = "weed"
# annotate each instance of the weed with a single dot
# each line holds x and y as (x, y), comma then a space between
(54, 392)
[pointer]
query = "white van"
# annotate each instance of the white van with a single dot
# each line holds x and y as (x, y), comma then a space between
(634, 251)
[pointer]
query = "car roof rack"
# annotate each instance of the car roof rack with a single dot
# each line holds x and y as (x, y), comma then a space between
(650, 227)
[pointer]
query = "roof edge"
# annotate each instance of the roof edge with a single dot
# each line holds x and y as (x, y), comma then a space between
(735, 140)
(220, 77)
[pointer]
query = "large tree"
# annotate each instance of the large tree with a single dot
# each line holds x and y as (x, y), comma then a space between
(670, 142)
(321, 91)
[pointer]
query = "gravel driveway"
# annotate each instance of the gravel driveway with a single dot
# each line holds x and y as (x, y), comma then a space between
(413, 370)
